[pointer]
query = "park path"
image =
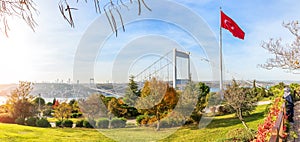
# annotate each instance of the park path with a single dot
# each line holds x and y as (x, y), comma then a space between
(296, 126)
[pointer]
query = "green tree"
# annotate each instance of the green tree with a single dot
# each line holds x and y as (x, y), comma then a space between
(258, 92)
(75, 106)
(39, 100)
(62, 111)
(71, 102)
(277, 89)
(193, 100)
(203, 91)
(132, 92)
(240, 99)
(295, 91)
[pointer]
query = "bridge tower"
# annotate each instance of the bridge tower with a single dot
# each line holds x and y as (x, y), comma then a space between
(180, 54)
(92, 81)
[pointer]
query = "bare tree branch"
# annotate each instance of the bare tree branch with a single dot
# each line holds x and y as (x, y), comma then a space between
(111, 8)
(285, 57)
(23, 9)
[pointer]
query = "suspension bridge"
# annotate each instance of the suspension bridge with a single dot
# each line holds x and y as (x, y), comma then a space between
(174, 67)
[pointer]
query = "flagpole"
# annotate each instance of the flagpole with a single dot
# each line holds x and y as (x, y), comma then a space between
(221, 61)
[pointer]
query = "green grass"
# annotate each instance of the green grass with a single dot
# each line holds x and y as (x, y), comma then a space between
(218, 128)
(215, 131)
(18, 133)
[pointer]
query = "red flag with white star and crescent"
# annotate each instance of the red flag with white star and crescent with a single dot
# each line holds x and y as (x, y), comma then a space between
(230, 25)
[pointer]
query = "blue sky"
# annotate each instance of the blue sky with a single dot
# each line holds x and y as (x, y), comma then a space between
(48, 54)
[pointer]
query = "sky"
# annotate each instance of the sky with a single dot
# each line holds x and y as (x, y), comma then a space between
(49, 53)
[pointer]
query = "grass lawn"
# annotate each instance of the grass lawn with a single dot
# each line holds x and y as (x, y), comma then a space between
(18, 133)
(215, 131)
(218, 128)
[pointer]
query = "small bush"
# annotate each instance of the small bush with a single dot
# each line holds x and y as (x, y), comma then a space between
(141, 118)
(58, 123)
(103, 123)
(132, 112)
(223, 110)
(6, 118)
(43, 123)
(74, 115)
(196, 117)
(89, 123)
(79, 123)
(118, 123)
(164, 124)
(20, 121)
(31, 121)
(240, 134)
(67, 123)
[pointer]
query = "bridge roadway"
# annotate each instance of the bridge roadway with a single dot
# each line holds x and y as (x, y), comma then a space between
(107, 93)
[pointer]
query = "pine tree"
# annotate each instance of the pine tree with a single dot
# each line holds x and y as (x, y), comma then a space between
(132, 92)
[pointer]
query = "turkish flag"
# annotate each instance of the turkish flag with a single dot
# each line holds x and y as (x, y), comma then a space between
(230, 25)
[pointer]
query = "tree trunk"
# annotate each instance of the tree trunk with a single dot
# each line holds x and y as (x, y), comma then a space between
(109, 122)
(158, 121)
(240, 116)
(158, 125)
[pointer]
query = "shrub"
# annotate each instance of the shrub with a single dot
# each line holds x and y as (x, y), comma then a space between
(140, 118)
(132, 112)
(43, 123)
(58, 123)
(196, 117)
(67, 123)
(79, 123)
(103, 123)
(74, 115)
(89, 123)
(31, 121)
(240, 134)
(6, 118)
(164, 123)
(222, 110)
(20, 121)
(118, 123)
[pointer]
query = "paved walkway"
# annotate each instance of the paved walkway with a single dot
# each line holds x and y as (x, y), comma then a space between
(296, 126)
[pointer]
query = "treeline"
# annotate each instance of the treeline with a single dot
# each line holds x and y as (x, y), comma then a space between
(156, 104)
